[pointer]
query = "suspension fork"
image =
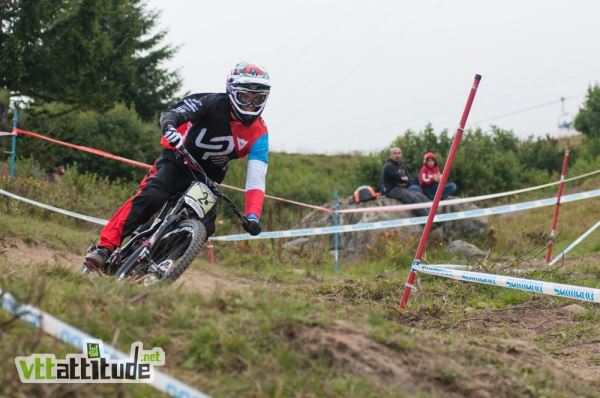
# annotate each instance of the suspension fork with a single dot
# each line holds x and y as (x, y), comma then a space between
(155, 224)
(169, 220)
(147, 246)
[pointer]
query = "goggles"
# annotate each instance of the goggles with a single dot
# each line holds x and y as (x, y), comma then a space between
(245, 98)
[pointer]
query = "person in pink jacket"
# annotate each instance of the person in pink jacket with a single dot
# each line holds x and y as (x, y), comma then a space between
(430, 176)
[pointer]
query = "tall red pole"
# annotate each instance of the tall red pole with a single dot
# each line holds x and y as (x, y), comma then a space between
(561, 187)
(438, 193)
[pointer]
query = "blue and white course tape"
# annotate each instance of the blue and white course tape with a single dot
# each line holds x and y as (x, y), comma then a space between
(403, 222)
(72, 336)
(93, 220)
(575, 243)
(396, 223)
(526, 285)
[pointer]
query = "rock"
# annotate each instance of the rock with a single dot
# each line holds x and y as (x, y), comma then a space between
(462, 248)
(574, 309)
(296, 243)
(354, 245)
(299, 271)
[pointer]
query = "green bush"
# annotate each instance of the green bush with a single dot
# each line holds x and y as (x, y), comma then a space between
(78, 191)
(542, 153)
(485, 162)
(588, 118)
(119, 131)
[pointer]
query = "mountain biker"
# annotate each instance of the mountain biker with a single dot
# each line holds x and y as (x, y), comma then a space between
(215, 128)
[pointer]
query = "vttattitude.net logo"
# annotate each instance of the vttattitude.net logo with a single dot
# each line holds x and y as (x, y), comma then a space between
(91, 367)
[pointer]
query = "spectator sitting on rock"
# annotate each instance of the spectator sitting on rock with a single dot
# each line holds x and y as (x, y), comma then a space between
(430, 176)
(398, 183)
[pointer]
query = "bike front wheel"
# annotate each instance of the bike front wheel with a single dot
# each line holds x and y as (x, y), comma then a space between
(178, 247)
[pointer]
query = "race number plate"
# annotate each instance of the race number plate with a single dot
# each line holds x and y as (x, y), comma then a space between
(200, 198)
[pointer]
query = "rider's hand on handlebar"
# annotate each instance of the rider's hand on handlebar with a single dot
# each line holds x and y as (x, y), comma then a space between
(174, 137)
(251, 224)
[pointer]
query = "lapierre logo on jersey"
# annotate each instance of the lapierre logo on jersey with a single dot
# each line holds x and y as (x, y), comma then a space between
(189, 105)
(219, 148)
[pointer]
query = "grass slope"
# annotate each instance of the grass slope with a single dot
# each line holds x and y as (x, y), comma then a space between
(298, 329)
(270, 322)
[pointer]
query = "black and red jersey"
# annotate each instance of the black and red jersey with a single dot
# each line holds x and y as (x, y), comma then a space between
(214, 138)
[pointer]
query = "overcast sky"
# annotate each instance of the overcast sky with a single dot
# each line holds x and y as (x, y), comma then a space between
(352, 75)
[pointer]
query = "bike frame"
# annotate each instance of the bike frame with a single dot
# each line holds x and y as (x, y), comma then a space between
(164, 220)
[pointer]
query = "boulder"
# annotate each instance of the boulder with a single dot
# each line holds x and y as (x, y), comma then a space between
(573, 309)
(354, 245)
(462, 248)
(296, 243)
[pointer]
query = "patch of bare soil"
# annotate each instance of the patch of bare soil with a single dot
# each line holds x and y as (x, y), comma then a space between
(16, 251)
(347, 346)
(206, 281)
(525, 321)
(426, 363)
(583, 357)
(211, 280)
(537, 263)
(537, 323)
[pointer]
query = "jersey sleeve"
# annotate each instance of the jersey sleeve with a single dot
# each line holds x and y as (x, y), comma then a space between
(256, 173)
(191, 108)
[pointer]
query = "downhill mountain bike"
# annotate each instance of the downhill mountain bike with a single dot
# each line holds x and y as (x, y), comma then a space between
(163, 249)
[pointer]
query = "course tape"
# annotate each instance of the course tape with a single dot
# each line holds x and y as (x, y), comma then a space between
(315, 207)
(54, 209)
(400, 222)
(147, 166)
(575, 243)
(403, 222)
(85, 149)
(526, 285)
(425, 205)
(72, 336)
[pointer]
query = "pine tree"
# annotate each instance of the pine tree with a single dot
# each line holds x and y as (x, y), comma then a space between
(87, 53)
(587, 120)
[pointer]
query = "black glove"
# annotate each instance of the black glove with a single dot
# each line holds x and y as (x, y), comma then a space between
(251, 226)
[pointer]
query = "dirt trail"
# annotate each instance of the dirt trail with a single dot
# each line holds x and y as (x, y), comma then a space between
(211, 279)
(539, 264)
(534, 323)
(207, 280)
(559, 332)
(18, 252)
(425, 362)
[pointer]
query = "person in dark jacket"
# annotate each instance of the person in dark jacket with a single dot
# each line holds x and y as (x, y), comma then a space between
(429, 178)
(398, 183)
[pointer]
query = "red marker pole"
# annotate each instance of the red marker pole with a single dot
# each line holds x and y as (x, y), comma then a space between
(210, 252)
(438, 193)
(561, 187)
